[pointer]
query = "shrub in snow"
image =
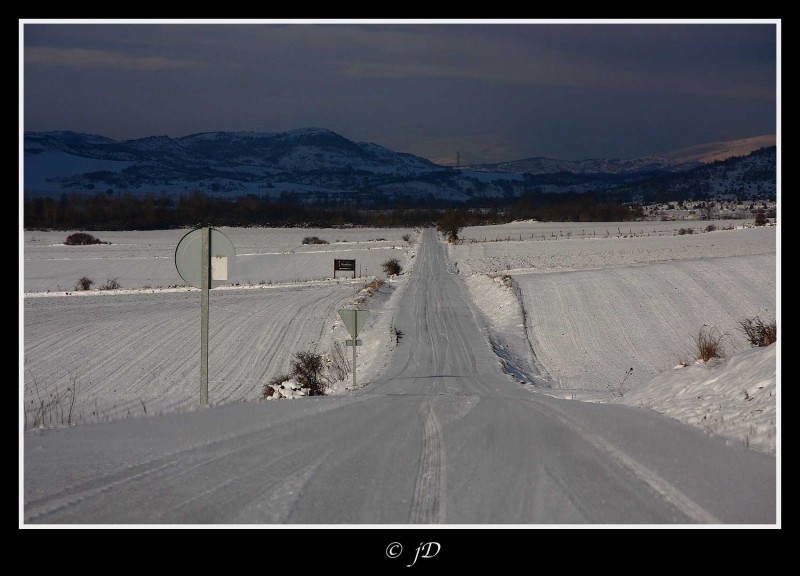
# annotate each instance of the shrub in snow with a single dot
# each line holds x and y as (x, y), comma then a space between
(314, 240)
(111, 284)
(307, 370)
(396, 333)
(81, 239)
(84, 283)
(373, 286)
(336, 364)
(406, 237)
(708, 344)
(761, 219)
(310, 374)
(392, 267)
(757, 332)
(619, 390)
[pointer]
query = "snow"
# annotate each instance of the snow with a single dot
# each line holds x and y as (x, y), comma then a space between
(442, 436)
(732, 396)
(379, 341)
(533, 230)
(571, 316)
(136, 350)
(499, 299)
(128, 355)
(290, 388)
(264, 255)
(589, 327)
(563, 246)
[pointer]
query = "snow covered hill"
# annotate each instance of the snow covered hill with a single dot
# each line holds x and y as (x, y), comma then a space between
(751, 175)
(316, 164)
(714, 151)
(541, 165)
(672, 161)
(239, 162)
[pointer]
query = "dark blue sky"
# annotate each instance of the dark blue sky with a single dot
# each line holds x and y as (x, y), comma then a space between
(492, 92)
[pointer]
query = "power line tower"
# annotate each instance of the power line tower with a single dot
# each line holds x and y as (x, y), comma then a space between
(458, 159)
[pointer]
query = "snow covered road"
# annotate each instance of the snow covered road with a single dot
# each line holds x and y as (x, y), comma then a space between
(443, 436)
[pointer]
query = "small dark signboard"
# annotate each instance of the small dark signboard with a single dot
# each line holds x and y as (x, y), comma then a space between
(344, 266)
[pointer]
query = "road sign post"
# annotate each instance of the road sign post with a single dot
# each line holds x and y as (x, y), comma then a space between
(205, 258)
(205, 272)
(354, 320)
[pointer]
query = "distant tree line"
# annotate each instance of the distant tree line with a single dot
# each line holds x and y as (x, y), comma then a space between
(149, 212)
(574, 207)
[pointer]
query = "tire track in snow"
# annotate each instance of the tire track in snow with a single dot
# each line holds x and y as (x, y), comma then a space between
(427, 504)
(278, 504)
(172, 465)
(659, 485)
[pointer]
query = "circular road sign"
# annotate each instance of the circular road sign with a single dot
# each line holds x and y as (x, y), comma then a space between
(189, 258)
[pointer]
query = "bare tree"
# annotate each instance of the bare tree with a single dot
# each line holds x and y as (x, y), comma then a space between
(451, 223)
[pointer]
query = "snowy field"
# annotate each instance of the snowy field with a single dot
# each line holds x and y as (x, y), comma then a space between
(589, 327)
(569, 313)
(533, 230)
(147, 259)
(135, 351)
(562, 252)
(575, 315)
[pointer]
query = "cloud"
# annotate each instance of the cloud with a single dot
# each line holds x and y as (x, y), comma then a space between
(85, 58)
(490, 92)
(638, 59)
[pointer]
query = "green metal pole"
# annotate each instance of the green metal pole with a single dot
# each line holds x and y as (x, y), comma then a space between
(205, 274)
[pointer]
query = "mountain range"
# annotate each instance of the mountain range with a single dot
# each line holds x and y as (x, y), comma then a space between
(672, 161)
(316, 164)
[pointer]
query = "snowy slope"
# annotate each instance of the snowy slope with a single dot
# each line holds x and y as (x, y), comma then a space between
(733, 396)
(590, 327)
(572, 317)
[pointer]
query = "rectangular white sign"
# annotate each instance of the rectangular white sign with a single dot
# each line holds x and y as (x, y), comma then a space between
(219, 268)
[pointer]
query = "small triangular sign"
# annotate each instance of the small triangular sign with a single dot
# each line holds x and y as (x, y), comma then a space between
(354, 320)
